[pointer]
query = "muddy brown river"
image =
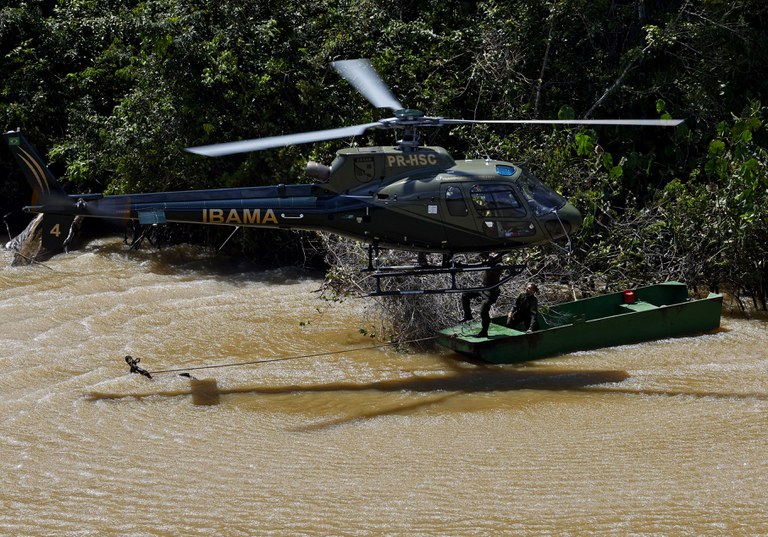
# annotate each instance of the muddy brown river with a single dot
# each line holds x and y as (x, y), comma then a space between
(662, 438)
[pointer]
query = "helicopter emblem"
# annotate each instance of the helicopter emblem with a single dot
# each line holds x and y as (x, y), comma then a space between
(407, 196)
(364, 169)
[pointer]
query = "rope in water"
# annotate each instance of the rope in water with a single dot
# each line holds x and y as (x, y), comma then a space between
(285, 358)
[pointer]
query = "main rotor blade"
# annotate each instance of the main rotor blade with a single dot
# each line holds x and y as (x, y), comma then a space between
(257, 144)
(361, 74)
(631, 122)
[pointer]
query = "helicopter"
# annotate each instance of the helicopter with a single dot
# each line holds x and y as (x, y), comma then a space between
(407, 196)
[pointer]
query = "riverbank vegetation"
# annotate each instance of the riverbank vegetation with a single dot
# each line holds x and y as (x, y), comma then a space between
(112, 91)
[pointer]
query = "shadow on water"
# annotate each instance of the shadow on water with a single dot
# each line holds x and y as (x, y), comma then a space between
(460, 380)
(677, 393)
(440, 388)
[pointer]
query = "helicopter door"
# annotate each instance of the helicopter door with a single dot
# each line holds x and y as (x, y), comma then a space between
(456, 214)
(454, 201)
(500, 212)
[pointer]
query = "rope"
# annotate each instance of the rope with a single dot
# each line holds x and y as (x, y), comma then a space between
(568, 249)
(32, 260)
(226, 241)
(286, 358)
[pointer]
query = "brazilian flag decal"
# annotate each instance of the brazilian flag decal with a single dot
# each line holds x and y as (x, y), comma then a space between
(14, 141)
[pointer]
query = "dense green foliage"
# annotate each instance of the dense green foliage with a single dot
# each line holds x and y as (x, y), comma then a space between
(113, 90)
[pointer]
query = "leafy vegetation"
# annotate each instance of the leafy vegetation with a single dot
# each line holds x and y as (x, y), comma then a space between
(113, 91)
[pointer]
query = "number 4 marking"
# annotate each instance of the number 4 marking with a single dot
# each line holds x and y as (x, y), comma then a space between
(56, 230)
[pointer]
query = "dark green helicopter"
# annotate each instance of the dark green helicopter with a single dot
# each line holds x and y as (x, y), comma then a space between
(405, 197)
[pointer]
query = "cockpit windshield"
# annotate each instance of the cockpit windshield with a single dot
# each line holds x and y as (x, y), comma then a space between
(541, 198)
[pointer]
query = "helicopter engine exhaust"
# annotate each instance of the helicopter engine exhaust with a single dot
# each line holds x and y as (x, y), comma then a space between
(318, 171)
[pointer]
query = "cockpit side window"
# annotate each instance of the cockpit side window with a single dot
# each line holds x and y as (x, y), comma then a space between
(498, 201)
(542, 199)
(454, 201)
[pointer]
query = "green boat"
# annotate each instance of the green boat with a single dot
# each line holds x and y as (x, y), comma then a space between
(642, 314)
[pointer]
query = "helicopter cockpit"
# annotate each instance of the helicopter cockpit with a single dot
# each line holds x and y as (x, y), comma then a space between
(542, 199)
(515, 207)
(501, 200)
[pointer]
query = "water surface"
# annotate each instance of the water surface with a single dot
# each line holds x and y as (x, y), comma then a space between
(662, 438)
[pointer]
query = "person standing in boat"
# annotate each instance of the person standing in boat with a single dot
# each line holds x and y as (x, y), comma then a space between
(526, 310)
(490, 296)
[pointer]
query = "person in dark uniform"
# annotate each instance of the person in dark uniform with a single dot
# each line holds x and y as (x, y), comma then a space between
(526, 310)
(489, 296)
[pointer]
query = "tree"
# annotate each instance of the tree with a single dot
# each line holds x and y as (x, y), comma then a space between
(113, 91)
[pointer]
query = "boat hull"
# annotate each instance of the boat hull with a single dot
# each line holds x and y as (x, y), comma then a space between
(658, 311)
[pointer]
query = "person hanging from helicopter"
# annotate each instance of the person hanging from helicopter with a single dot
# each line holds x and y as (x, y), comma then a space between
(490, 295)
(133, 363)
(525, 310)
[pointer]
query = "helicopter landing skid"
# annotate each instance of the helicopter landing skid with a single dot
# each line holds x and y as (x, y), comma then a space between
(452, 270)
